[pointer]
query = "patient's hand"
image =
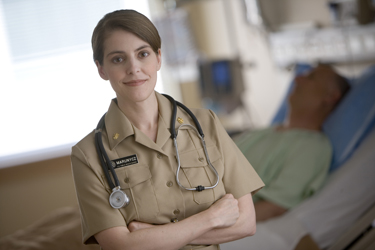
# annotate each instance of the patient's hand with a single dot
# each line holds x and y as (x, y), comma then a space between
(136, 225)
(265, 210)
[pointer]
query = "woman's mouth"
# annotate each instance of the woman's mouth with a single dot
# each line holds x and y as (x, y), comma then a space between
(134, 83)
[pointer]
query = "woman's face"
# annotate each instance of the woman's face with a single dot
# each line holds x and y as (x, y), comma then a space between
(130, 65)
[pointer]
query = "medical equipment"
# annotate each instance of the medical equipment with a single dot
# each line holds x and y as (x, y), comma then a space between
(118, 198)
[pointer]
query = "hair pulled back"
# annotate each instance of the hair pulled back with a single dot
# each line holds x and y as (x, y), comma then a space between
(128, 20)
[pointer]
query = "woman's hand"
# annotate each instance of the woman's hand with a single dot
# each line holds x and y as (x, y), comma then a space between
(225, 211)
(243, 227)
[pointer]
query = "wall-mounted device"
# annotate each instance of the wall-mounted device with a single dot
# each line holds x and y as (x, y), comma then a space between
(221, 82)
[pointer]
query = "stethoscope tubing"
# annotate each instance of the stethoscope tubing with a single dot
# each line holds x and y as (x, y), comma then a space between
(200, 187)
(174, 115)
(200, 134)
(103, 156)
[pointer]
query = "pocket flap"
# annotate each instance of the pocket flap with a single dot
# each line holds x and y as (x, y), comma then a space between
(131, 176)
(197, 158)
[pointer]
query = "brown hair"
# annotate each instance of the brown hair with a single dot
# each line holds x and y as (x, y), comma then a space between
(128, 20)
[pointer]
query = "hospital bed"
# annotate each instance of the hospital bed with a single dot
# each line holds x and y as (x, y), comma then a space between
(341, 215)
(332, 219)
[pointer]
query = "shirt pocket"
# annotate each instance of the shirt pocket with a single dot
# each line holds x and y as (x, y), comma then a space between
(196, 171)
(136, 182)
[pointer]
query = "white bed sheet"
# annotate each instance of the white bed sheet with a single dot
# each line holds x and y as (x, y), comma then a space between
(348, 193)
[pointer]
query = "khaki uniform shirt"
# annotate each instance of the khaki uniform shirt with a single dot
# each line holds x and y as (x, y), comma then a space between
(155, 196)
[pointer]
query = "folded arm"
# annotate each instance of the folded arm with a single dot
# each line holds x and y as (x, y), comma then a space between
(222, 214)
(243, 227)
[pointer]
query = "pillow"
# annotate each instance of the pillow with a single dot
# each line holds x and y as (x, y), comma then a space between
(281, 113)
(352, 119)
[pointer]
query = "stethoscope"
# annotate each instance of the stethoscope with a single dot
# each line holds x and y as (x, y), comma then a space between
(118, 198)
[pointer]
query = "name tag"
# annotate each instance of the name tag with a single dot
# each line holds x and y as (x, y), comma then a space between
(126, 161)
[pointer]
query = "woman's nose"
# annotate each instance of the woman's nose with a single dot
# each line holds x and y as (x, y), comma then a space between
(132, 67)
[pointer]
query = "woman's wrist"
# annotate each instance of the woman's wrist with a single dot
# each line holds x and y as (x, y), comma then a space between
(211, 219)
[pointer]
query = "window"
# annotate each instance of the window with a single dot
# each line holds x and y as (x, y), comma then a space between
(51, 95)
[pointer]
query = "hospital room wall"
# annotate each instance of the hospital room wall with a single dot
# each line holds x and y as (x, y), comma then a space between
(221, 31)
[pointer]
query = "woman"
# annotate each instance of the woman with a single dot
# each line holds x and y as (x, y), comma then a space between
(161, 214)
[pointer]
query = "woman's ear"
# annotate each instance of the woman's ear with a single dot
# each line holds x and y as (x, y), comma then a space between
(158, 57)
(101, 71)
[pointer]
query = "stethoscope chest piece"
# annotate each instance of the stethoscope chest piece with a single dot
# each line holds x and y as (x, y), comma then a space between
(118, 199)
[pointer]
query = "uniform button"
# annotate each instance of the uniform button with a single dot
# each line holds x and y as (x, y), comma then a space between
(127, 180)
(159, 156)
(201, 159)
(169, 184)
(176, 212)
(174, 220)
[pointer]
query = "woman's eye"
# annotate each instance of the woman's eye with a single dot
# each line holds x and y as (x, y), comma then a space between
(117, 59)
(144, 54)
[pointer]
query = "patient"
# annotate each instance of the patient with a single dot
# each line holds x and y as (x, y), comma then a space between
(293, 158)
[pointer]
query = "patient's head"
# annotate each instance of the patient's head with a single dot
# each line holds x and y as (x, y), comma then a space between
(316, 94)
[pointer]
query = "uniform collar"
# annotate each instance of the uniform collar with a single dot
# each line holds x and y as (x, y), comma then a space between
(165, 115)
(119, 127)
